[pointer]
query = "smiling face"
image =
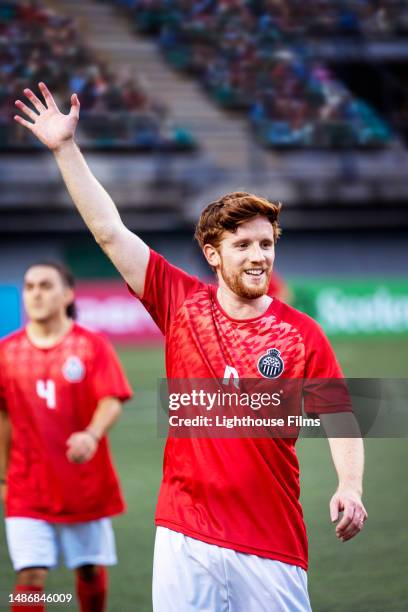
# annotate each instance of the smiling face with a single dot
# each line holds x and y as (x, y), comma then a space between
(244, 258)
(45, 294)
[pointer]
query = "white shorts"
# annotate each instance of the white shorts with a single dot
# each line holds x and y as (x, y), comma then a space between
(191, 575)
(37, 543)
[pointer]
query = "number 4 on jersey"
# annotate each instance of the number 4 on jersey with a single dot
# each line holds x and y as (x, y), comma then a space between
(46, 390)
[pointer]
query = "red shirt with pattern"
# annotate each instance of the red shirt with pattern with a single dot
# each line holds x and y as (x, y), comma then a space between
(49, 394)
(243, 493)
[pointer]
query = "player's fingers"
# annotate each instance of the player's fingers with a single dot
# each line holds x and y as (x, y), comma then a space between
(71, 440)
(35, 101)
(334, 509)
(26, 110)
(75, 457)
(351, 533)
(75, 106)
(87, 456)
(77, 448)
(354, 528)
(84, 446)
(48, 97)
(74, 449)
(360, 514)
(22, 121)
(347, 518)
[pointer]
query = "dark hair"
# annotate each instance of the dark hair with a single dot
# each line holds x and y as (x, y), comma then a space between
(230, 211)
(67, 278)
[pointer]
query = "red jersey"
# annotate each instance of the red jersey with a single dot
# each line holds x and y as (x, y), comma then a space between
(242, 493)
(49, 394)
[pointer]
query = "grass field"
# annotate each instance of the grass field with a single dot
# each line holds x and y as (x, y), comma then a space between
(367, 574)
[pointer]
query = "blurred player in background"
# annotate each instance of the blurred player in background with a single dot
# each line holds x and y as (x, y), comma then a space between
(279, 289)
(230, 532)
(61, 389)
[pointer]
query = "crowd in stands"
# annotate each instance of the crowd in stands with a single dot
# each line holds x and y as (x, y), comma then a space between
(289, 19)
(36, 45)
(252, 55)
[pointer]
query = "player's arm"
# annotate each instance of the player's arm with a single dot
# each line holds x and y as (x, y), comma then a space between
(128, 252)
(5, 442)
(348, 459)
(82, 445)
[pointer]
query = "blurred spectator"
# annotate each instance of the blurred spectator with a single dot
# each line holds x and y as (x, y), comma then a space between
(250, 55)
(36, 45)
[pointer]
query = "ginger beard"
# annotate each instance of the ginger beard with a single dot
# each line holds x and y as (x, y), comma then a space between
(246, 286)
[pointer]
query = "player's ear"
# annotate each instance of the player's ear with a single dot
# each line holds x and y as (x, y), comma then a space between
(69, 295)
(212, 256)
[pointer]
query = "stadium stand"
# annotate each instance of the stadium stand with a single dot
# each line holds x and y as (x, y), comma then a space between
(252, 55)
(39, 44)
(289, 19)
(324, 179)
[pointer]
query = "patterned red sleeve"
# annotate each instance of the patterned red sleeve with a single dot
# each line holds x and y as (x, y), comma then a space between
(325, 389)
(107, 376)
(166, 288)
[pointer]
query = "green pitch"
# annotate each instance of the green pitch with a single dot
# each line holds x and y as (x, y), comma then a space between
(367, 574)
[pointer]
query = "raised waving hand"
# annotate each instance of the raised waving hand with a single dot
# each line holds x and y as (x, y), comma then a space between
(125, 249)
(48, 124)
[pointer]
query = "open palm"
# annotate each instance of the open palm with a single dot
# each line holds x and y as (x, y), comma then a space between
(48, 124)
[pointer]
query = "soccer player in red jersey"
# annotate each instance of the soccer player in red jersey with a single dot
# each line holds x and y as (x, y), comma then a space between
(230, 531)
(61, 389)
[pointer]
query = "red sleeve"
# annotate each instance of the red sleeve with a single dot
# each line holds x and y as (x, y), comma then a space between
(166, 288)
(107, 376)
(329, 393)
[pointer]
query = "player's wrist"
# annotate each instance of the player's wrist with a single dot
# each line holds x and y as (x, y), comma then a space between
(64, 146)
(93, 435)
(350, 488)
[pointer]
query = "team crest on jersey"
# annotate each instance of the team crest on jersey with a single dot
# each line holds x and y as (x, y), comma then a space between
(73, 369)
(271, 365)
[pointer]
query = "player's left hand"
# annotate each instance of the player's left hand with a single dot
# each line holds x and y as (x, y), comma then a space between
(354, 516)
(81, 447)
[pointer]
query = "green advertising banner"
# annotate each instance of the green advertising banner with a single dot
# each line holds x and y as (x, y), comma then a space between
(358, 307)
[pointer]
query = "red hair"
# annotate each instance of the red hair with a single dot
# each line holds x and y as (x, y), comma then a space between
(230, 211)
